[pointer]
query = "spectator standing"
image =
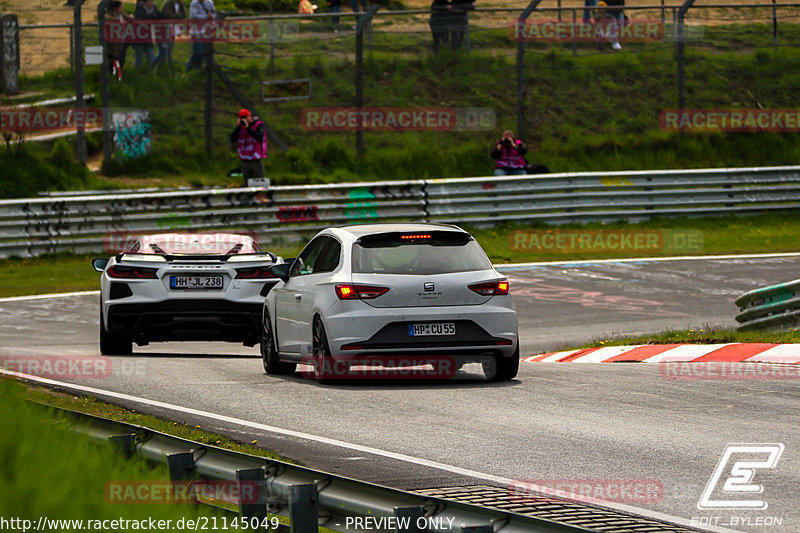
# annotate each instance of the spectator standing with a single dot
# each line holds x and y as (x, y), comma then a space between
(117, 51)
(199, 11)
(508, 155)
(587, 13)
(171, 10)
(145, 10)
(251, 145)
(364, 5)
(459, 18)
(440, 22)
(335, 6)
(612, 20)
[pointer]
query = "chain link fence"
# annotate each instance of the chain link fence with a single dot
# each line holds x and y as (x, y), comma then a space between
(566, 95)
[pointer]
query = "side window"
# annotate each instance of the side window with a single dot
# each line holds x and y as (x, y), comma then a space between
(329, 257)
(304, 264)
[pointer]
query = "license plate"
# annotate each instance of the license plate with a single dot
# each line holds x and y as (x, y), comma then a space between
(196, 282)
(419, 330)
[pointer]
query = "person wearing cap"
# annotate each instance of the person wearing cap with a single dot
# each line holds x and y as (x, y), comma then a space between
(251, 145)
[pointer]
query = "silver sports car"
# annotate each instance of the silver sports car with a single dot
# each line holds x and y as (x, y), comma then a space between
(378, 291)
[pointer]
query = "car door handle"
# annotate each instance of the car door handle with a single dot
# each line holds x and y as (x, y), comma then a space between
(298, 296)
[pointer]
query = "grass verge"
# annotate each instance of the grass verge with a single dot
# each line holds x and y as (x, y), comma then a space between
(93, 406)
(49, 471)
(769, 233)
(707, 335)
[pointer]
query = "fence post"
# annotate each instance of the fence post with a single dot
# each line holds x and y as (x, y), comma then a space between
(108, 140)
(80, 141)
(9, 54)
(682, 53)
(361, 22)
(520, 27)
(209, 96)
(774, 24)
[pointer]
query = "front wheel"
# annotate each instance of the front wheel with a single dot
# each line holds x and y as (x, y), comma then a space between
(269, 355)
(113, 343)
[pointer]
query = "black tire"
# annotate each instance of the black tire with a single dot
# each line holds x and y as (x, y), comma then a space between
(502, 368)
(321, 352)
(113, 343)
(269, 354)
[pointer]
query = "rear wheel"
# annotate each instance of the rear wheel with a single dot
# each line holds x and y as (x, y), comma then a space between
(323, 361)
(113, 343)
(502, 368)
(269, 355)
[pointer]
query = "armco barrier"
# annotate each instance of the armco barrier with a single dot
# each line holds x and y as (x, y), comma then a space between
(280, 215)
(328, 500)
(776, 306)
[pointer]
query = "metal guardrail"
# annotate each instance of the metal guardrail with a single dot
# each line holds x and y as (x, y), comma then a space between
(776, 306)
(309, 498)
(282, 215)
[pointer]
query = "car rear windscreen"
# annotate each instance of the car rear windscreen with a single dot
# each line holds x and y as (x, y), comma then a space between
(436, 252)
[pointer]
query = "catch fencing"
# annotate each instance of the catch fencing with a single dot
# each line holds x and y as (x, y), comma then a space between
(285, 215)
(555, 91)
(773, 307)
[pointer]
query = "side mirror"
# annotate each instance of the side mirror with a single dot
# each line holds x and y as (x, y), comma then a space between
(99, 264)
(281, 271)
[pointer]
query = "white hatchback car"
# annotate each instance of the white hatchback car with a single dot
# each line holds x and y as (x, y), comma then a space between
(373, 291)
(183, 287)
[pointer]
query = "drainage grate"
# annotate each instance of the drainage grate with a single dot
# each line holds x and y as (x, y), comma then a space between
(564, 511)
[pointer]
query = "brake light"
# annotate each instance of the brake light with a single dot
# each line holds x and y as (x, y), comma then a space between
(491, 288)
(127, 272)
(254, 273)
(359, 292)
(416, 236)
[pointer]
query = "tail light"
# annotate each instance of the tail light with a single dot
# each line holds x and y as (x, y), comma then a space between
(128, 272)
(491, 288)
(254, 273)
(359, 292)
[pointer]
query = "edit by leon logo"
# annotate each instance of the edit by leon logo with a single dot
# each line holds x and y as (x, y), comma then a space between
(746, 459)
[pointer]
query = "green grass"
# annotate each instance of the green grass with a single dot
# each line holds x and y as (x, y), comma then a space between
(49, 471)
(93, 406)
(770, 233)
(706, 335)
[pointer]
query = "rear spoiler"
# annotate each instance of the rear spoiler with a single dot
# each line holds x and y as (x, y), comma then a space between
(201, 257)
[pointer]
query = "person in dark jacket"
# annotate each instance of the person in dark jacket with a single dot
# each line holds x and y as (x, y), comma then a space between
(145, 10)
(459, 18)
(508, 154)
(170, 10)
(440, 22)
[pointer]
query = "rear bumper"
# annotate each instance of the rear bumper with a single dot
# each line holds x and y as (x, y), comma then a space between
(480, 329)
(187, 320)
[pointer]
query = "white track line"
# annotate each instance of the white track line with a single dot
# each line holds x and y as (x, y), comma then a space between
(350, 446)
(44, 296)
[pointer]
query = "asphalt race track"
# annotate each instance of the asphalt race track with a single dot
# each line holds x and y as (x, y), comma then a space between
(555, 422)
